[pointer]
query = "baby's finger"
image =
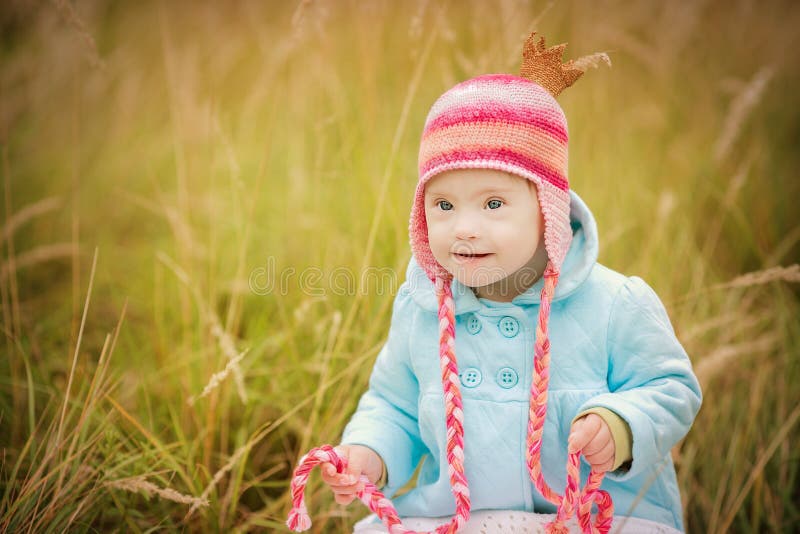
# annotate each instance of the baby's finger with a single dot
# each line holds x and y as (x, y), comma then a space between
(346, 487)
(583, 431)
(332, 478)
(346, 494)
(602, 466)
(355, 467)
(329, 474)
(602, 457)
(599, 442)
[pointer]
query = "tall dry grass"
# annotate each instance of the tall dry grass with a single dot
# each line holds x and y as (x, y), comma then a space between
(160, 160)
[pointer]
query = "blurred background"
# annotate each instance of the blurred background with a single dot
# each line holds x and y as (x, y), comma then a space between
(192, 193)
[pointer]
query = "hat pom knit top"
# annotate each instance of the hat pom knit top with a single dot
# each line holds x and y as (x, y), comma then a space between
(512, 124)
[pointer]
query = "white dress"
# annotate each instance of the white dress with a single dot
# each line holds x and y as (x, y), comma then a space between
(512, 522)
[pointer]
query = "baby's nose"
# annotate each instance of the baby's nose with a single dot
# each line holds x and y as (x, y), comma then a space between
(466, 227)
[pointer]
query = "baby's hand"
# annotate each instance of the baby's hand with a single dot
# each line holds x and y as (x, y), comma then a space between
(360, 461)
(591, 435)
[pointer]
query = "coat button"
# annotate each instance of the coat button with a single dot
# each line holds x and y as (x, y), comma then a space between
(508, 326)
(473, 324)
(507, 378)
(471, 377)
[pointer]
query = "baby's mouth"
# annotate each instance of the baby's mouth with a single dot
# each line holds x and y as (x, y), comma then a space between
(466, 256)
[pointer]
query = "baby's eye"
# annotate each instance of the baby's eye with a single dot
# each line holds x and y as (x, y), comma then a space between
(494, 204)
(444, 205)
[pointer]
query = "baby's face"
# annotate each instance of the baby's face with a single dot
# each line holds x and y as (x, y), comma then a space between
(483, 225)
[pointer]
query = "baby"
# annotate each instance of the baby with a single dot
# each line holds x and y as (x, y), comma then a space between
(510, 347)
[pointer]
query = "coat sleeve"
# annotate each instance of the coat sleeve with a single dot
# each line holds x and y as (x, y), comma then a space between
(386, 417)
(650, 378)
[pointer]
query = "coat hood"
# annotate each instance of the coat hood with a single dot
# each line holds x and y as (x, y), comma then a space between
(578, 263)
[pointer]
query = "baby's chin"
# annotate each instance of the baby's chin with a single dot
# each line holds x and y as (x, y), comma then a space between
(479, 279)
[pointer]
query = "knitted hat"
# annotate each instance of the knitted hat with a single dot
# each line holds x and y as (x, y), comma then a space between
(513, 124)
(505, 123)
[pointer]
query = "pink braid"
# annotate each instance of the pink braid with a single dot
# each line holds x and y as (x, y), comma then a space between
(605, 507)
(454, 410)
(298, 517)
(573, 498)
(538, 402)
(454, 419)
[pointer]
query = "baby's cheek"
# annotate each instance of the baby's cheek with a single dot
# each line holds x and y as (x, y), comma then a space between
(439, 246)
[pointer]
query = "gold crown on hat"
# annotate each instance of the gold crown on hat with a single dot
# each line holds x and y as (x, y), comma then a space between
(543, 65)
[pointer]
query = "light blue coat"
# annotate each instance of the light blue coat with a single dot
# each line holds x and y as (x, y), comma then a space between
(612, 345)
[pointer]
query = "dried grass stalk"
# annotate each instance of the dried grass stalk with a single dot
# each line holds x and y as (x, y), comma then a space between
(26, 214)
(225, 340)
(756, 278)
(741, 107)
(720, 359)
(217, 378)
(36, 255)
(229, 349)
(140, 484)
(218, 476)
(68, 12)
(592, 61)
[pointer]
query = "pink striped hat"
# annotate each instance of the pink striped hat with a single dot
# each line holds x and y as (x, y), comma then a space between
(501, 122)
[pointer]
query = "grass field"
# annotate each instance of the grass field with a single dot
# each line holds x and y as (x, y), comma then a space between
(205, 216)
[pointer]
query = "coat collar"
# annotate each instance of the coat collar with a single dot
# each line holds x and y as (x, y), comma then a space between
(580, 259)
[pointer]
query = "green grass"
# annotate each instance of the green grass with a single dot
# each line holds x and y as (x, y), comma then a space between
(158, 158)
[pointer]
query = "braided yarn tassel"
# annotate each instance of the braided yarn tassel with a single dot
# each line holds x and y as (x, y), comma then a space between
(573, 498)
(375, 500)
(605, 507)
(299, 519)
(454, 409)
(539, 382)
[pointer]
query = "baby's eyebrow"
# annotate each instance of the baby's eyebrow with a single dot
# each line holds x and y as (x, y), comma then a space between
(430, 193)
(495, 190)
